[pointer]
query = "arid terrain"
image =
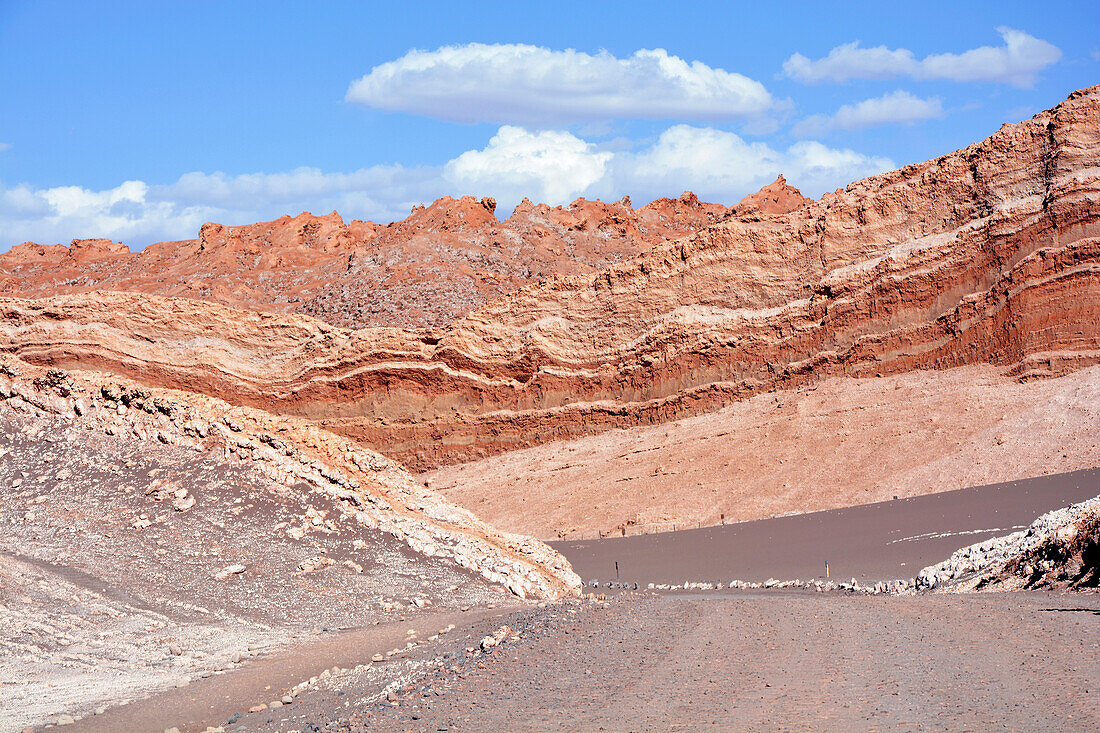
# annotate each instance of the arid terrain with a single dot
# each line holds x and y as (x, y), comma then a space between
(776, 463)
(987, 255)
(840, 442)
(441, 262)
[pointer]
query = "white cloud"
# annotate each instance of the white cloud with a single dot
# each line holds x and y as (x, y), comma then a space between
(139, 214)
(546, 166)
(849, 61)
(893, 108)
(721, 166)
(5, 146)
(551, 166)
(531, 85)
(1017, 62)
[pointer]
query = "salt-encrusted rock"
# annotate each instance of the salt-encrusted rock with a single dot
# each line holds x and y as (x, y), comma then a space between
(1053, 550)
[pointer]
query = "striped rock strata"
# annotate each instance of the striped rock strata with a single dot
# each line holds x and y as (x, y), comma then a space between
(988, 254)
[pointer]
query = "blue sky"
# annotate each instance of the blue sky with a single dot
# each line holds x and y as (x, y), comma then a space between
(140, 121)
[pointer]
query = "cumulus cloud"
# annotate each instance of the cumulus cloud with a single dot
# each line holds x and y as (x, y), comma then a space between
(894, 108)
(546, 165)
(550, 166)
(1017, 62)
(531, 85)
(721, 166)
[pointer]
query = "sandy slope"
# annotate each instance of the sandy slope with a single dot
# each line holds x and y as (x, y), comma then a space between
(884, 541)
(845, 442)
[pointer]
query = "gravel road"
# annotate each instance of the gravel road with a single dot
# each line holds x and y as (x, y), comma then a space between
(777, 660)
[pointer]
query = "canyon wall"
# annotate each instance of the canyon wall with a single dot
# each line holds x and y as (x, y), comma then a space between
(988, 254)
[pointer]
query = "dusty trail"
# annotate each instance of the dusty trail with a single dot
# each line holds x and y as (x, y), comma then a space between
(213, 700)
(749, 661)
(881, 541)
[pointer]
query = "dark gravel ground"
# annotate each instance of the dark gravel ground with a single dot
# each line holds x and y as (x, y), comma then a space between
(776, 660)
(870, 542)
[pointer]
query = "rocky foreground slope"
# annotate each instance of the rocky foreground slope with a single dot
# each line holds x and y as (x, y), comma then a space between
(364, 488)
(988, 254)
(153, 537)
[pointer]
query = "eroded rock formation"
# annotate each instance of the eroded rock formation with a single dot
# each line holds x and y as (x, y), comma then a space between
(988, 254)
(427, 270)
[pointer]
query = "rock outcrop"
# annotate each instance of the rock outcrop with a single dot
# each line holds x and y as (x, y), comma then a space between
(433, 267)
(777, 197)
(988, 254)
(1061, 549)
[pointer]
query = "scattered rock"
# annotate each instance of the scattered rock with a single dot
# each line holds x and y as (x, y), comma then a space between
(228, 570)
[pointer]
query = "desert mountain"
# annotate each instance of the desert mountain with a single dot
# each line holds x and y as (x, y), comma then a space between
(990, 254)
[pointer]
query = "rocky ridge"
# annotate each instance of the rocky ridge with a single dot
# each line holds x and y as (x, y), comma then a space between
(988, 254)
(426, 270)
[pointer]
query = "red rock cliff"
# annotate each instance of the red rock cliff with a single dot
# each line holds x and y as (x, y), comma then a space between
(987, 254)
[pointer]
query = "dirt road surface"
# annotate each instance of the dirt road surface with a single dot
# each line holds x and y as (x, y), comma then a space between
(759, 661)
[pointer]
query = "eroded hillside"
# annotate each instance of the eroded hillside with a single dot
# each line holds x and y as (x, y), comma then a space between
(988, 254)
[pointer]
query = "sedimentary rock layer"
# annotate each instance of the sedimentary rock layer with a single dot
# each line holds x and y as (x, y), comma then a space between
(840, 442)
(988, 254)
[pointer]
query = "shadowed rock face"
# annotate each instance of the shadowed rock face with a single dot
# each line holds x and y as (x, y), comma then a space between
(988, 254)
(427, 270)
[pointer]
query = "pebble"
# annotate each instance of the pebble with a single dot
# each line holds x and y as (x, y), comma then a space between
(275, 704)
(377, 658)
(287, 699)
(258, 708)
